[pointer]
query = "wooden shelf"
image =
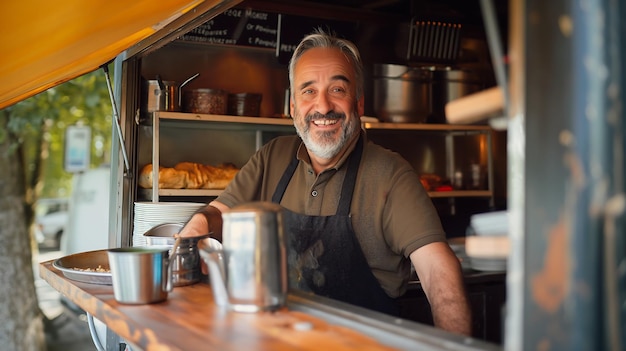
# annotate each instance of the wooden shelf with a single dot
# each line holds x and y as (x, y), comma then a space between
(216, 192)
(182, 116)
(460, 193)
(287, 121)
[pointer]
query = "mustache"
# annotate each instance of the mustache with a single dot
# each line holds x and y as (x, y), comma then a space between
(330, 115)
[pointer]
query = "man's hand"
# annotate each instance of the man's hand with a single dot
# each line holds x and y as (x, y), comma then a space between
(206, 220)
(439, 272)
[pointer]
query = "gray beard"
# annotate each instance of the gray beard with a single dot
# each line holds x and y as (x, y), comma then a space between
(328, 147)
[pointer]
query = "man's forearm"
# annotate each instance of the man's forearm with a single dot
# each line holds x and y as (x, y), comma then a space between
(450, 310)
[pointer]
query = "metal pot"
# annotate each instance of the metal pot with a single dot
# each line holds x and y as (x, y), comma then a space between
(402, 94)
(163, 95)
(450, 84)
(186, 264)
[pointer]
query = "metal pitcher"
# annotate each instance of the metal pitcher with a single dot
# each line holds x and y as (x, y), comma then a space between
(248, 271)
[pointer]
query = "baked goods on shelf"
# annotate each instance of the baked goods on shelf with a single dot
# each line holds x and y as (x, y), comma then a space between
(189, 175)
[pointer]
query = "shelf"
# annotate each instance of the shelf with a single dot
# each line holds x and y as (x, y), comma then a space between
(216, 192)
(270, 121)
(147, 193)
(426, 127)
(182, 116)
(460, 193)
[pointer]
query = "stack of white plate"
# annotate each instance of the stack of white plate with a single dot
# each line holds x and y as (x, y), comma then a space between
(488, 246)
(150, 214)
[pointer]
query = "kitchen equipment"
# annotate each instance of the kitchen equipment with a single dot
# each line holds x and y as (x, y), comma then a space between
(87, 267)
(431, 40)
(402, 94)
(163, 95)
(207, 101)
(244, 104)
(450, 84)
(141, 275)
(186, 263)
(249, 274)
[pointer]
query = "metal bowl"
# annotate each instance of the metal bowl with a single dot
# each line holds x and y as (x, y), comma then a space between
(73, 267)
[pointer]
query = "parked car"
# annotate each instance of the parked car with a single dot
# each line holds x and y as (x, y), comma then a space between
(51, 220)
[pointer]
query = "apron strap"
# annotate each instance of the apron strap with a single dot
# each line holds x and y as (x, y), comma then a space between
(284, 180)
(349, 181)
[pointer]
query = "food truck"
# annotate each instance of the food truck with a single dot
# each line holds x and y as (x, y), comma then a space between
(205, 83)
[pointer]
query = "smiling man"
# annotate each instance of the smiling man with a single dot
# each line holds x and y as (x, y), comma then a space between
(356, 215)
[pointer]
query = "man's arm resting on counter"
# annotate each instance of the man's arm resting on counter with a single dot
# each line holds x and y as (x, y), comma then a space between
(207, 219)
(440, 275)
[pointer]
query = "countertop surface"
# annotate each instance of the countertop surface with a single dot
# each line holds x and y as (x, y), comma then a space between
(189, 319)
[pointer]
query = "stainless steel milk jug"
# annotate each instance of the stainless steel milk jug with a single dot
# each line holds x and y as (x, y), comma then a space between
(251, 267)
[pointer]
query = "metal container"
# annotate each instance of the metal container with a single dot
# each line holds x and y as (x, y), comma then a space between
(157, 98)
(206, 101)
(140, 275)
(450, 84)
(163, 95)
(249, 272)
(244, 104)
(402, 94)
(186, 268)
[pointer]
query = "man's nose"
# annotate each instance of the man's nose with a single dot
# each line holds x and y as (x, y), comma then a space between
(323, 103)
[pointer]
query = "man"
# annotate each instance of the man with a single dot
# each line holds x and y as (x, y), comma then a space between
(356, 215)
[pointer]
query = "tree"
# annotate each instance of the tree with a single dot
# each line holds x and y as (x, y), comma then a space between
(31, 155)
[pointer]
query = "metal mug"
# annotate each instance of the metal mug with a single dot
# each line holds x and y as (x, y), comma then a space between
(249, 272)
(141, 275)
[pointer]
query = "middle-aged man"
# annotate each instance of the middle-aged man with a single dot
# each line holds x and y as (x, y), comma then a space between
(356, 214)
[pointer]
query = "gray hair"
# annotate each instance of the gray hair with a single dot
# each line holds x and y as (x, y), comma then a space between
(321, 39)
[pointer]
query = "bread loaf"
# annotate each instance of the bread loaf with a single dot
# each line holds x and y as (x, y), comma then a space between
(189, 175)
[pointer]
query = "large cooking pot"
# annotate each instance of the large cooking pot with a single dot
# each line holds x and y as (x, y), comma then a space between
(450, 84)
(402, 94)
(163, 95)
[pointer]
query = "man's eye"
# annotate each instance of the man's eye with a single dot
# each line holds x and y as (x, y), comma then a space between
(338, 90)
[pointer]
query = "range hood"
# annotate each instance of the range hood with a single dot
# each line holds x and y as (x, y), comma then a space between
(46, 43)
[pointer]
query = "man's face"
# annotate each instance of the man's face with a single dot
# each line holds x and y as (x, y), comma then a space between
(324, 106)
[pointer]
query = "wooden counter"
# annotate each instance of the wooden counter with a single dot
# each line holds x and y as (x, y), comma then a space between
(190, 320)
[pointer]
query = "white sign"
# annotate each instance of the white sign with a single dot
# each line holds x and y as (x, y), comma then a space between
(77, 148)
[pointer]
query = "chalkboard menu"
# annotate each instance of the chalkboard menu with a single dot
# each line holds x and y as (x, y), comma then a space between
(294, 28)
(248, 27)
(238, 26)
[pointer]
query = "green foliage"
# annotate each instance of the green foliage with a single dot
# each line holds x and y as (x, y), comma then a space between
(36, 127)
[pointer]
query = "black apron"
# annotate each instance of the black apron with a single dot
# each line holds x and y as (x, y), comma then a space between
(324, 255)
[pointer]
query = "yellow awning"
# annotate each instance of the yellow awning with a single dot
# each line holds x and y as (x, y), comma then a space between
(44, 43)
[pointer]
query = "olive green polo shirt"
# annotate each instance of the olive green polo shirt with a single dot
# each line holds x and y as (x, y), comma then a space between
(391, 212)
